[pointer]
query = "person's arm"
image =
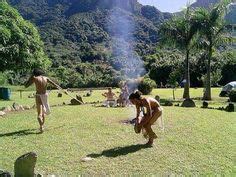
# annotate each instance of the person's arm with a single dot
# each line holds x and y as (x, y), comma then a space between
(137, 115)
(148, 115)
(114, 95)
(29, 82)
(104, 94)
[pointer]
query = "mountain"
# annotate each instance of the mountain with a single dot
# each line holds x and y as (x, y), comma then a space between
(79, 30)
(230, 16)
(204, 3)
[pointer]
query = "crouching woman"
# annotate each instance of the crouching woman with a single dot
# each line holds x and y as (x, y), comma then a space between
(152, 113)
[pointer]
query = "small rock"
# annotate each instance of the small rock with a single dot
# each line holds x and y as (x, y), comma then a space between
(16, 106)
(26, 107)
(86, 159)
(7, 109)
(21, 108)
(31, 95)
(2, 113)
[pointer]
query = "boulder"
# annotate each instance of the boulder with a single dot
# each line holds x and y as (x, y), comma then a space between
(78, 97)
(230, 107)
(59, 95)
(189, 103)
(25, 164)
(75, 102)
(205, 104)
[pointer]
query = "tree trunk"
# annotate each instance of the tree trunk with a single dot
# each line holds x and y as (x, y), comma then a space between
(173, 93)
(207, 93)
(186, 94)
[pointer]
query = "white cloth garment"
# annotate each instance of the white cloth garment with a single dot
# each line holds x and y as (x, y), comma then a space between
(45, 103)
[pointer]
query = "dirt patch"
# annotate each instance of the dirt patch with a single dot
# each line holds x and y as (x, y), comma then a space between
(128, 121)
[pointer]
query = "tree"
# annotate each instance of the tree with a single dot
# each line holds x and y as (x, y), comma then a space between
(178, 31)
(211, 25)
(21, 48)
(173, 80)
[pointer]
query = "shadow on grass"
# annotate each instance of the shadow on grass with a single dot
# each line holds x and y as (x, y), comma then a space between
(119, 151)
(21, 133)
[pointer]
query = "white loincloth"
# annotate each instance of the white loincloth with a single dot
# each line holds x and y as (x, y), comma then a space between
(44, 100)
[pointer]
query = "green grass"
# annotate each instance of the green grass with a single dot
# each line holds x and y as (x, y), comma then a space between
(195, 141)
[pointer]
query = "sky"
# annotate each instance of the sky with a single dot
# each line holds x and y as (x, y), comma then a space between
(167, 5)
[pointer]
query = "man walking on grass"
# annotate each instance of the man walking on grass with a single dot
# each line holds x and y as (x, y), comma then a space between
(41, 99)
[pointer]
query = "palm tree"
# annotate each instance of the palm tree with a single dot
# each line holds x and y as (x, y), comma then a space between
(179, 32)
(211, 26)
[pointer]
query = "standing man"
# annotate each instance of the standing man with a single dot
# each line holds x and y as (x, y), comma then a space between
(42, 104)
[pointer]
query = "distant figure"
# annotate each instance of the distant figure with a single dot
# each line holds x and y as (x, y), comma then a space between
(110, 98)
(42, 104)
(153, 112)
(182, 84)
(124, 96)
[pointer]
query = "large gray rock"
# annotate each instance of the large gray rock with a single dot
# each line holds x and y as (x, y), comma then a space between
(25, 164)
(189, 103)
(230, 107)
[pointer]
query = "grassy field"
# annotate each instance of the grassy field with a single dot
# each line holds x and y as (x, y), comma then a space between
(195, 141)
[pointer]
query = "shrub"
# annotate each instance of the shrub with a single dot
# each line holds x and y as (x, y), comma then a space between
(146, 86)
(232, 96)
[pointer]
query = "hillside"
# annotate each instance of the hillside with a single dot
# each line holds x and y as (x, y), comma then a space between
(78, 29)
(204, 3)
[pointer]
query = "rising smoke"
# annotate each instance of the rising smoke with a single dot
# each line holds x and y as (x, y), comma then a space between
(121, 26)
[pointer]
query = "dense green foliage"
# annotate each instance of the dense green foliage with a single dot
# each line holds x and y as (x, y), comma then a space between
(79, 41)
(78, 31)
(146, 86)
(20, 45)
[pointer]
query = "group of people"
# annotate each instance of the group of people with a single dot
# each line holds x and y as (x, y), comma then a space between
(112, 100)
(142, 122)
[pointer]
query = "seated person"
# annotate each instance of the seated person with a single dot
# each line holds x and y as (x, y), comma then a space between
(111, 98)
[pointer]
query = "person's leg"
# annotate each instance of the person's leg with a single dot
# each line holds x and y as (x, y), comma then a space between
(40, 112)
(150, 133)
(43, 120)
